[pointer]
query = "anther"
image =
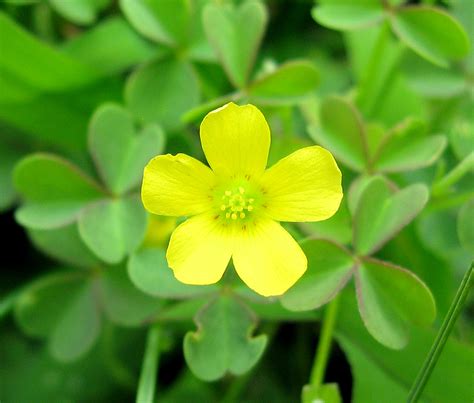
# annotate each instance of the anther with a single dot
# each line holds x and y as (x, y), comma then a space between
(242, 215)
(228, 193)
(234, 216)
(223, 207)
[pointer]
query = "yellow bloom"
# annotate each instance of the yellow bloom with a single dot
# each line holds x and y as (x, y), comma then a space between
(235, 205)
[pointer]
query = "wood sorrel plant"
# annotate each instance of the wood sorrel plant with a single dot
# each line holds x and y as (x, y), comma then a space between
(135, 148)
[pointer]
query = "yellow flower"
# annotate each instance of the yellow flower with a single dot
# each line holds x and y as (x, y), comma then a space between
(235, 206)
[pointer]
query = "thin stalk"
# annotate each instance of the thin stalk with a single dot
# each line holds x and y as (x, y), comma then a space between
(441, 337)
(443, 185)
(147, 382)
(324, 344)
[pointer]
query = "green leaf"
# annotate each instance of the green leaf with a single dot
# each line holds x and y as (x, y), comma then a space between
(389, 298)
(54, 190)
(444, 244)
(140, 15)
(166, 22)
(461, 133)
(78, 327)
(327, 393)
(235, 34)
(338, 228)
(378, 371)
(466, 226)
(376, 57)
(42, 119)
(123, 303)
(432, 81)
(223, 342)
(431, 33)
(111, 47)
(53, 71)
(381, 214)
(119, 152)
(406, 148)
(288, 84)
(329, 269)
(72, 251)
(37, 309)
(113, 228)
(82, 12)
(8, 158)
(342, 132)
(161, 92)
(149, 272)
(348, 14)
(356, 189)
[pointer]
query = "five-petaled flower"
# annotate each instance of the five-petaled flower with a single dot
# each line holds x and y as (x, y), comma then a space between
(235, 206)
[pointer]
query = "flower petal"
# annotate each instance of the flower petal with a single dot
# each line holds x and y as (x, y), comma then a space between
(177, 185)
(268, 259)
(304, 186)
(236, 140)
(199, 250)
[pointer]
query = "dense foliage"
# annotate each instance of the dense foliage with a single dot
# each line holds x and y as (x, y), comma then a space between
(91, 90)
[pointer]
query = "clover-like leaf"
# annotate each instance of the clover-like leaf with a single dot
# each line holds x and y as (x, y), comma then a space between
(378, 370)
(140, 15)
(72, 251)
(55, 191)
(431, 33)
(380, 213)
(118, 151)
(288, 84)
(149, 272)
(235, 34)
(61, 307)
(79, 11)
(113, 228)
(161, 91)
(389, 299)
(223, 342)
(342, 132)
(348, 14)
(78, 327)
(406, 147)
(122, 302)
(330, 267)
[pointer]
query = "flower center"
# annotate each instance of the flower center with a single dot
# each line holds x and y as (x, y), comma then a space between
(237, 201)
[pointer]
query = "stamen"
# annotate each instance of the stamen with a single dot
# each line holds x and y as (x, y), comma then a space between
(234, 203)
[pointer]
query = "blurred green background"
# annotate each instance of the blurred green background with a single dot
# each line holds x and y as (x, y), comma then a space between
(90, 90)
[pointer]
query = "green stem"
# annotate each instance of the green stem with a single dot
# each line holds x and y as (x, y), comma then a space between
(324, 345)
(443, 185)
(147, 382)
(441, 337)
